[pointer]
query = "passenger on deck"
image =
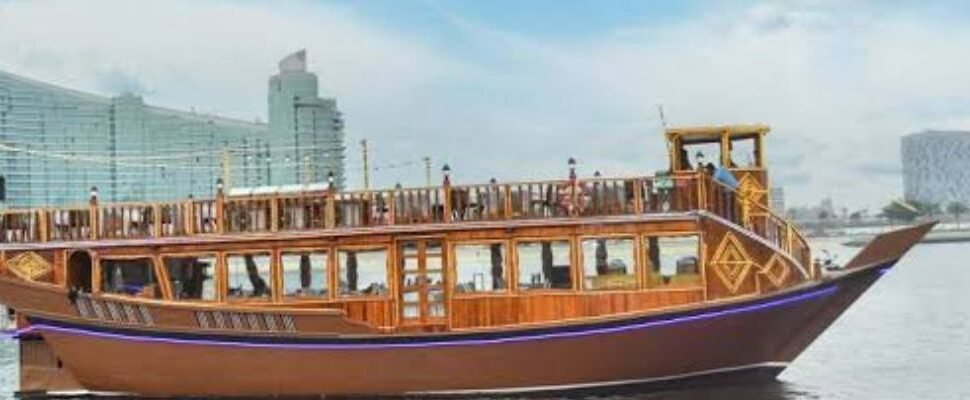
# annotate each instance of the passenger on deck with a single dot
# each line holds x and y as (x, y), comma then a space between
(728, 203)
(724, 176)
(684, 160)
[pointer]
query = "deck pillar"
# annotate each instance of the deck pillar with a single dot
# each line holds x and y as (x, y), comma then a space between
(330, 220)
(43, 230)
(446, 186)
(93, 214)
(638, 196)
(220, 206)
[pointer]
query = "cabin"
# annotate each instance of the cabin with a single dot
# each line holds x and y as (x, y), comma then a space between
(453, 257)
(738, 149)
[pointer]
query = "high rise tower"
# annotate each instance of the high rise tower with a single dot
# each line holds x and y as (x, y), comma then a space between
(306, 138)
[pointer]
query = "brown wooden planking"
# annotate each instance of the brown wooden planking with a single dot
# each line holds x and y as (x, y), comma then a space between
(497, 310)
(482, 311)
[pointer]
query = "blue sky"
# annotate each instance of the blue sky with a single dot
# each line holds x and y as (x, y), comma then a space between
(511, 89)
(569, 19)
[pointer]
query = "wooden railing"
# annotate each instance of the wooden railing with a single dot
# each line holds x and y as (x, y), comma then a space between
(778, 231)
(24, 226)
(67, 224)
(749, 213)
(403, 206)
(126, 221)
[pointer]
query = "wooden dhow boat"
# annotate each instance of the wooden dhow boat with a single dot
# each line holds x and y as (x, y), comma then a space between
(458, 289)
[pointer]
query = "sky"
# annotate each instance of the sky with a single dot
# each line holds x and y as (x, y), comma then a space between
(512, 89)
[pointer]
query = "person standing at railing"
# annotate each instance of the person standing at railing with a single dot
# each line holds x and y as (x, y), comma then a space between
(724, 176)
(728, 191)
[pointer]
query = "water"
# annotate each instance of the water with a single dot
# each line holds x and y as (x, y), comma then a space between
(9, 357)
(907, 338)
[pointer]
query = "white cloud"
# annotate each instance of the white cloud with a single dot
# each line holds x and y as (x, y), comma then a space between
(216, 56)
(839, 82)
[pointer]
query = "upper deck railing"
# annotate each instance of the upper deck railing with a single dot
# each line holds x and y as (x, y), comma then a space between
(447, 204)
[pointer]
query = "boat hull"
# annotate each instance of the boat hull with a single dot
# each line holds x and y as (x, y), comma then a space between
(756, 337)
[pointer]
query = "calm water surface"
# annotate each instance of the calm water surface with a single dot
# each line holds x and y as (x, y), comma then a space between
(907, 338)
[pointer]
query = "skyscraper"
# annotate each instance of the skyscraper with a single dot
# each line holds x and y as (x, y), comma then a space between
(936, 167)
(56, 143)
(307, 129)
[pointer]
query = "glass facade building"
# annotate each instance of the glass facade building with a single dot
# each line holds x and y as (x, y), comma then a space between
(56, 143)
(936, 167)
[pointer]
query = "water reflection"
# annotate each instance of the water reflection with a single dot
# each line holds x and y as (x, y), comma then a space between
(9, 376)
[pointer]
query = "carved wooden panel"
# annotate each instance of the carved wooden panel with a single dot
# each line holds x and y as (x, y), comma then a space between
(738, 264)
(731, 263)
(776, 272)
(30, 266)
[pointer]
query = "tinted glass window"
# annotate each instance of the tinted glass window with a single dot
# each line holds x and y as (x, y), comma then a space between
(673, 260)
(609, 264)
(192, 277)
(134, 277)
(249, 276)
(544, 265)
(362, 272)
(304, 273)
(480, 268)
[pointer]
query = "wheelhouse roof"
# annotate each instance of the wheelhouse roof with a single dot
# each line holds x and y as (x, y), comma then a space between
(713, 133)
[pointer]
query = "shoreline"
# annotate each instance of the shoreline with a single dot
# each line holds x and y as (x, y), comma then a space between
(934, 237)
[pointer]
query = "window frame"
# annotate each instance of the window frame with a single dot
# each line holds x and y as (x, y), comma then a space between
(389, 273)
(98, 271)
(638, 260)
(329, 273)
(757, 148)
(571, 239)
(507, 264)
(701, 260)
(273, 266)
(217, 274)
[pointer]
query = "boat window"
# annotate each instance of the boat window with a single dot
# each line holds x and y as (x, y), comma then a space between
(480, 268)
(673, 260)
(79, 271)
(192, 277)
(743, 153)
(701, 153)
(248, 276)
(133, 277)
(362, 272)
(609, 264)
(544, 265)
(304, 273)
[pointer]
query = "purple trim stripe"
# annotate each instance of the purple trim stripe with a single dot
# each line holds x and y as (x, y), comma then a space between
(16, 334)
(471, 342)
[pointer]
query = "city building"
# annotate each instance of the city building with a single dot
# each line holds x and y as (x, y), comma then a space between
(776, 199)
(936, 167)
(57, 143)
(302, 121)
